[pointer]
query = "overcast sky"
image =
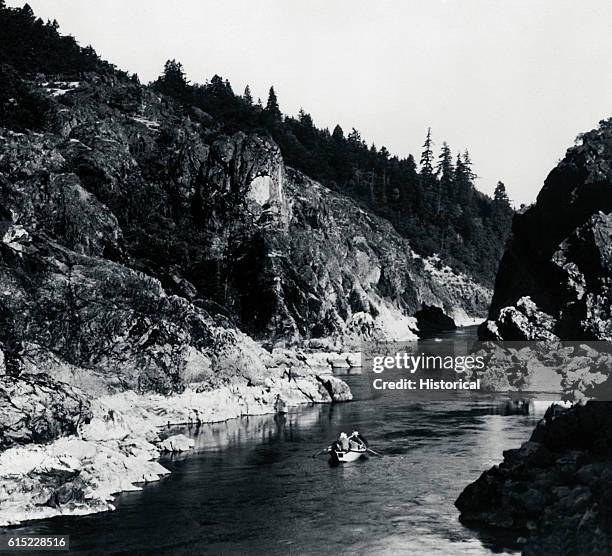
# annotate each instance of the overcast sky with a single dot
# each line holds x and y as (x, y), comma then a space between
(513, 81)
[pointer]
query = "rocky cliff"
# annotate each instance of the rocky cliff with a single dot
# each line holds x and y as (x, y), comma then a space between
(153, 269)
(554, 279)
(554, 284)
(219, 219)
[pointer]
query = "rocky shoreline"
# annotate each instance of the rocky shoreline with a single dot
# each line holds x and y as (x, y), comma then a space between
(552, 299)
(554, 491)
(116, 450)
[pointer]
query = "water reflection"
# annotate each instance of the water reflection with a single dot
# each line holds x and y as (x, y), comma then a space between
(251, 485)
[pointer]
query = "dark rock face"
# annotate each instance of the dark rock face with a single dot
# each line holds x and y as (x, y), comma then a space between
(116, 325)
(556, 488)
(339, 270)
(39, 193)
(122, 175)
(432, 320)
(560, 253)
(39, 409)
(554, 283)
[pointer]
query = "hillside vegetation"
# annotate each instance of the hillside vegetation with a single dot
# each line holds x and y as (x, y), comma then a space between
(434, 205)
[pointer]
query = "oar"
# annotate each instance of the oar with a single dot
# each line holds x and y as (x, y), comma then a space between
(372, 451)
(320, 452)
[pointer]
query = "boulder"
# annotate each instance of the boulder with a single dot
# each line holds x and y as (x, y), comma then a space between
(555, 489)
(432, 320)
(337, 389)
(177, 443)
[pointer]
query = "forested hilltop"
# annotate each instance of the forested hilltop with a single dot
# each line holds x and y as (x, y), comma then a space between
(435, 206)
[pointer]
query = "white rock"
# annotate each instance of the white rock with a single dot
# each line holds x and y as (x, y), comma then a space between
(115, 451)
(339, 361)
(318, 360)
(177, 443)
(354, 359)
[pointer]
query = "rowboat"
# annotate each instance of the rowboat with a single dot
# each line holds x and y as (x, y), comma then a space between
(357, 448)
(346, 456)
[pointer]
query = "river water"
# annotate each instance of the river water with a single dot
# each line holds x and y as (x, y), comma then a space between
(251, 486)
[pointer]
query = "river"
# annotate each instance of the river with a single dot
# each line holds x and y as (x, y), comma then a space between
(251, 486)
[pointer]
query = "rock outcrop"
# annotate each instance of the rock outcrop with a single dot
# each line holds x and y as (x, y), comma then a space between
(177, 443)
(556, 489)
(73, 476)
(234, 228)
(554, 286)
(36, 408)
(431, 320)
(555, 277)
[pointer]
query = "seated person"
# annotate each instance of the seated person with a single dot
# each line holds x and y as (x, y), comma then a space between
(356, 442)
(344, 441)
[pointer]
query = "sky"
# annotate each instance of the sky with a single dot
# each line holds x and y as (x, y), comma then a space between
(513, 81)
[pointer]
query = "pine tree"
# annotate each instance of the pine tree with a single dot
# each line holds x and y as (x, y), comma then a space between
(27, 11)
(501, 211)
(305, 119)
(427, 155)
(338, 134)
(272, 109)
(217, 86)
(500, 195)
(411, 192)
(173, 81)
(467, 163)
(444, 168)
(354, 137)
(446, 177)
(247, 97)
(429, 183)
(463, 186)
(460, 172)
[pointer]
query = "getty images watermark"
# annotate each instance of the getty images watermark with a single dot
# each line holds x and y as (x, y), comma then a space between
(441, 369)
(412, 364)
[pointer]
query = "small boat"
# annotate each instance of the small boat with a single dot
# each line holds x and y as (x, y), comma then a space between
(346, 456)
(357, 449)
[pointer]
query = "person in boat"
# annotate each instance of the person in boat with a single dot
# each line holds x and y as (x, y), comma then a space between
(335, 446)
(344, 442)
(356, 442)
